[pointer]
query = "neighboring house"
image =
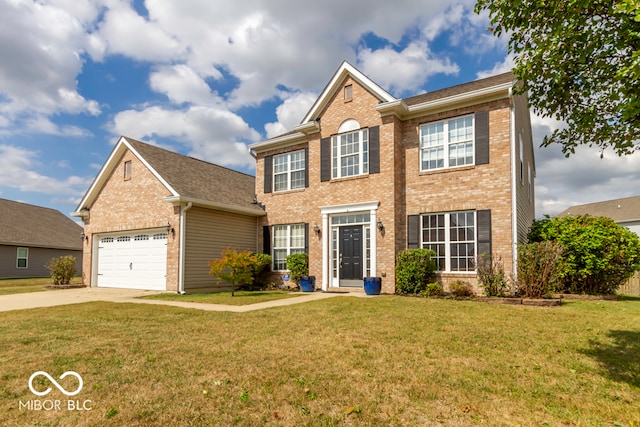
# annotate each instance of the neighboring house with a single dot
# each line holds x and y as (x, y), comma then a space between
(366, 175)
(153, 219)
(30, 236)
(625, 212)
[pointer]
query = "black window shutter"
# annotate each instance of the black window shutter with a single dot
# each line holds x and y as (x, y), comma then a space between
(306, 237)
(268, 172)
(266, 240)
(306, 167)
(374, 149)
(325, 159)
(484, 232)
(413, 231)
(482, 137)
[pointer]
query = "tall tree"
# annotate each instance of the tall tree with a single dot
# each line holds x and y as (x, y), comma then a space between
(579, 62)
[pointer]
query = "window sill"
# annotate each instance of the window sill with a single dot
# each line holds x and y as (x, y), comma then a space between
(350, 178)
(447, 170)
(295, 190)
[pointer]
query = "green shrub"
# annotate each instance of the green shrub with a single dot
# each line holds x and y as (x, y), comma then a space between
(460, 288)
(432, 290)
(599, 255)
(414, 268)
(491, 276)
(261, 271)
(239, 269)
(62, 269)
(298, 266)
(539, 265)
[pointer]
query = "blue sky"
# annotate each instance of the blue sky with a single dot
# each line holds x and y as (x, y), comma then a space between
(208, 77)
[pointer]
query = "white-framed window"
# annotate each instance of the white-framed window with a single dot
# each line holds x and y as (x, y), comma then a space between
(127, 170)
(350, 153)
(22, 258)
(289, 171)
(287, 239)
(452, 236)
(447, 143)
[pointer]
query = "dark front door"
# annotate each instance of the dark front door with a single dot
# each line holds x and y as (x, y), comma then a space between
(351, 255)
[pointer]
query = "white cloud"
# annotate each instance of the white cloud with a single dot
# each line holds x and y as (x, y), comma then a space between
(19, 162)
(290, 112)
(181, 84)
(44, 43)
(405, 71)
(211, 133)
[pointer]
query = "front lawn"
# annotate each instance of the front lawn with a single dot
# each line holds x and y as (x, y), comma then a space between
(33, 284)
(388, 361)
(240, 298)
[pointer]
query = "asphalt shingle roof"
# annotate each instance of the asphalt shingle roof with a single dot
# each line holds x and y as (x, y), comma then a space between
(197, 179)
(620, 210)
(34, 226)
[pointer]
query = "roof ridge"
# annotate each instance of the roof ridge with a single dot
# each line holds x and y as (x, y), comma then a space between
(185, 156)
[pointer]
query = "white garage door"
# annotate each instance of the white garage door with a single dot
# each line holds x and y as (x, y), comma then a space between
(133, 260)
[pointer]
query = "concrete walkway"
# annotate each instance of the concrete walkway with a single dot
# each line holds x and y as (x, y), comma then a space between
(81, 295)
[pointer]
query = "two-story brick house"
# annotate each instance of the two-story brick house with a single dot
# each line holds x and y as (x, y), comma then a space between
(366, 175)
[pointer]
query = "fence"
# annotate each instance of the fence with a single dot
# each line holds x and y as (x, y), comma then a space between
(632, 287)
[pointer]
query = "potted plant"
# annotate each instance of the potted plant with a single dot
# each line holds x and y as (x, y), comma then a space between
(298, 266)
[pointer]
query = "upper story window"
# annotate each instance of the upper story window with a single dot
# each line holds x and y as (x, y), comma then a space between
(289, 171)
(350, 153)
(447, 143)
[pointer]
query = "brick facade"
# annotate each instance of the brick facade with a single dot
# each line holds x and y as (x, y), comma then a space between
(400, 188)
(128, 205)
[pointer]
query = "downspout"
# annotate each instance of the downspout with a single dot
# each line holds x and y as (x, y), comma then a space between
(183, 228)
(514, 198)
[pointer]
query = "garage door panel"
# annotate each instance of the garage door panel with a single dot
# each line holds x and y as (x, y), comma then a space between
(133, 260)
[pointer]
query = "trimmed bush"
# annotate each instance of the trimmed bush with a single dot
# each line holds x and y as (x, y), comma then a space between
(432, 290)
(62, 269)
(298, 266)
(460, 288)
(539, 266)
(599, 255)
(414, 268)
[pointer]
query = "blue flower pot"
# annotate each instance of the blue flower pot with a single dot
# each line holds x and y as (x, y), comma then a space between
(372, 285)
(308, 283)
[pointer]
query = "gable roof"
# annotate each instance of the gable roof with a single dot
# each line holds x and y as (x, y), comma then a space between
(620, 210)
(471, 93)
(22, 224)
(187, 179)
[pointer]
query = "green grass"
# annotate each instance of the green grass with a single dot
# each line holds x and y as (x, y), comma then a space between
(240, 298)
(33, 284)
(344, 361)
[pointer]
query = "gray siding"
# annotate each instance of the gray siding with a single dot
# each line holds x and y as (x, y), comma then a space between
(525, 203)
(208, 233)
(37, 261)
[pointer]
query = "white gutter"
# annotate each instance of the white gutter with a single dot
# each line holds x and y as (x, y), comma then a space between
(183, 227)
(514, 198)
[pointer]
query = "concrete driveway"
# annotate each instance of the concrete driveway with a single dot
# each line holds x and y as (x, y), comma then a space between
(81, 295)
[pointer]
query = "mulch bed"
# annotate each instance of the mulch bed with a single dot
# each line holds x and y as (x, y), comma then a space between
(65, 286)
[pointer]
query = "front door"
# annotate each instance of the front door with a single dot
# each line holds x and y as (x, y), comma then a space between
(351, 255)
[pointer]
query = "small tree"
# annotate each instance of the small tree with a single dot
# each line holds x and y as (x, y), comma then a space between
(62, 269)
(298, 266)
(237, 268)
(414, 268)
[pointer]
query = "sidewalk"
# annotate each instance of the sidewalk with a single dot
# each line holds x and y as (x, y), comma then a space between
(82, 295)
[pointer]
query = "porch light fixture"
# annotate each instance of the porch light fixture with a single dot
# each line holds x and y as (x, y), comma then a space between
(169, 228)
(84, 236)
(316, 229)
(380, 225)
